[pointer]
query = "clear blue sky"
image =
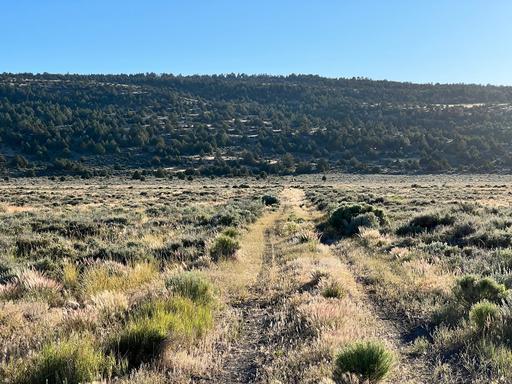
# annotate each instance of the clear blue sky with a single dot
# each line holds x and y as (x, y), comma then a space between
(410, 40)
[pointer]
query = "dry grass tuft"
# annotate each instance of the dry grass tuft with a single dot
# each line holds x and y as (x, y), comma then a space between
(116, 277)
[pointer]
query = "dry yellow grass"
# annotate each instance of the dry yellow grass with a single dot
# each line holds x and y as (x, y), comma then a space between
(234, 277)
(115, 277)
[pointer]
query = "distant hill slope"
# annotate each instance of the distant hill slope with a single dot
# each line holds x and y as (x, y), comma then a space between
(222, 125)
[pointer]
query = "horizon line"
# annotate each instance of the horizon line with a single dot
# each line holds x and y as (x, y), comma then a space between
(241, 74)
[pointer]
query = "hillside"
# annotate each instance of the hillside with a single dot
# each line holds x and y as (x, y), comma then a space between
(239, 125)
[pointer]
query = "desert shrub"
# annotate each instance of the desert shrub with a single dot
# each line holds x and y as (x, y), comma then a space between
(196, 241)
(491, 238)
(425, 223)
(37, 247)
(74, 360)
(333, 289)
(234, 215)
(483, 315)
(226, 218)
(449, 314)
(188, 248)
(116, 221)
(439, 248)
(503, 257)
(192, 286)
(26, 246)
(81, 229)
(506, 318)
(460, 231)
(364, 220)
(224, 247)
(371, 361)
(270, 200)
(8, 269)
(231, 232)
(177, 320)
(128, 253)
(470, 290)
(346, 219)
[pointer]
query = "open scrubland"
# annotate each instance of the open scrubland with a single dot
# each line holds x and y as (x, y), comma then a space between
(351, 279)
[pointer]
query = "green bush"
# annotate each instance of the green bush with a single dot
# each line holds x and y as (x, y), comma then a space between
(460, 231)
(347, 219)
(270, 200)
(192, 286)
(72, 361)
(483, 315)
(243, 212)
(425, 223)
(470, 290)
(224, 247)
(371, 361)
(364, 220)
(231, 232)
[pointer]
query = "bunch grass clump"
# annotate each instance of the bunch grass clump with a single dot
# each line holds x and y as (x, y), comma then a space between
(484, 315)
(191, 285)
(110, 304)
(370, 361)
(334, 290)
(70, 275)
(176, 321)
(73, 360)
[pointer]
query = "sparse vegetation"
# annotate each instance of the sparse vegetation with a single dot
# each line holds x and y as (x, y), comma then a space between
(440, 261)
(89, 281)
(152, 281)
